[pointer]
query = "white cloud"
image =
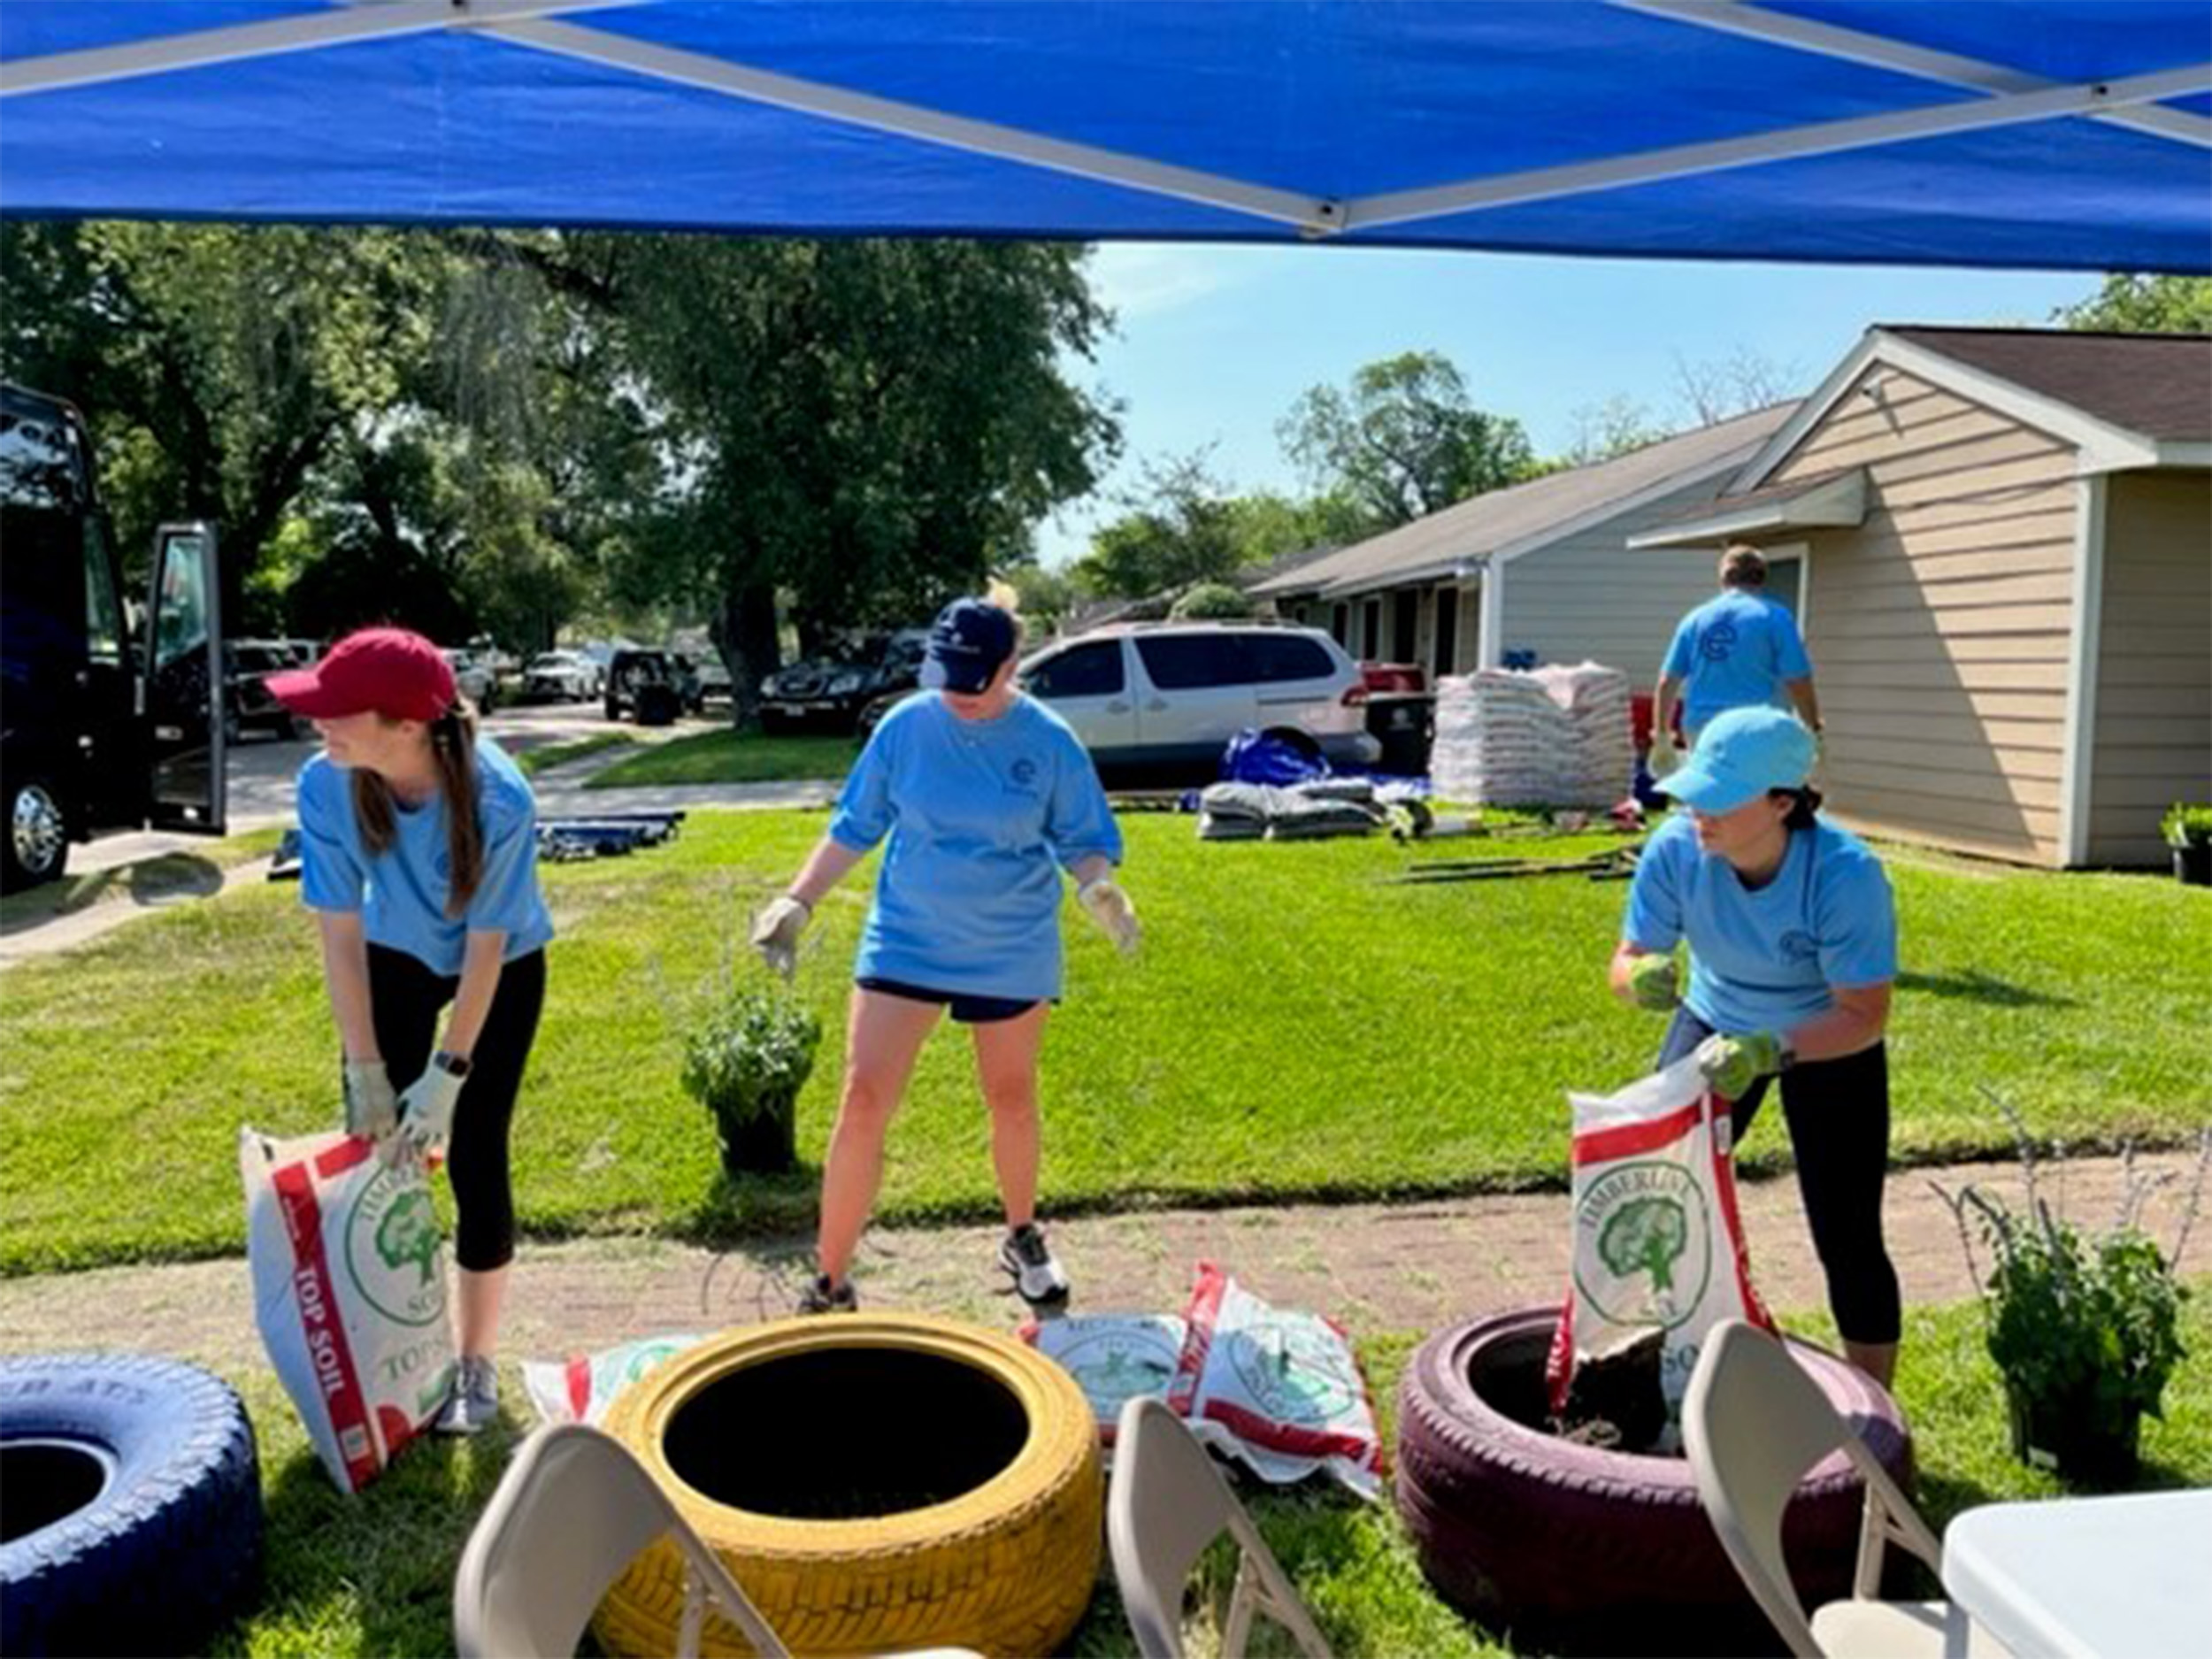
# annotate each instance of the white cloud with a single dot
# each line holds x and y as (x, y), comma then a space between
(1140, 279)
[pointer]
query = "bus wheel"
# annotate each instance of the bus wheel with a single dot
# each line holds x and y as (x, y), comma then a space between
(36, 844)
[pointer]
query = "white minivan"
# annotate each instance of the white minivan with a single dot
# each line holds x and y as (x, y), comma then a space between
(1174, 693)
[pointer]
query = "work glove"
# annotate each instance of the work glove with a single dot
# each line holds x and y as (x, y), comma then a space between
(371, 1108)
(1664, 758)
(776, 932)
(426, 1114)
(1110, 909)
(1654, 982)
(1732, 1064)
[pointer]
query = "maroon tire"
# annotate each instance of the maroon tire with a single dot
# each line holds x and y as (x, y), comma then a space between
(1564, 1544)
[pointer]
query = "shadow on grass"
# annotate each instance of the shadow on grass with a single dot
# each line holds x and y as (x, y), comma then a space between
(149, 881)
(762, 1226)
(1974, 985)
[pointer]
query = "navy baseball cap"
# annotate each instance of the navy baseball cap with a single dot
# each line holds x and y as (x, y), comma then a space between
(970, 638)
(1742, 754)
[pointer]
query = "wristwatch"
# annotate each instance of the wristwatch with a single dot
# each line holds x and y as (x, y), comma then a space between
(450, 1062)
(1784, 1057)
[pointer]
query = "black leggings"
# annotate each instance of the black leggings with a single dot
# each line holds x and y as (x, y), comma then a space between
(404, 1000)
(1837, 1111)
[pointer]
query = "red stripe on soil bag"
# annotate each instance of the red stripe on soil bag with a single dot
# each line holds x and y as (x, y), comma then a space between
(1190, 1365)
(1721, 1133)
(579, 1388)
(341, 1381)
(1255, 1430)
(1601, 1145)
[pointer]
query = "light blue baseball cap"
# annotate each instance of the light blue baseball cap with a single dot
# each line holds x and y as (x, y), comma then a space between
(1740, 755)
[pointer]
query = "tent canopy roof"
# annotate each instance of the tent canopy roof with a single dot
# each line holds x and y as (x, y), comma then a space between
(2050, 134)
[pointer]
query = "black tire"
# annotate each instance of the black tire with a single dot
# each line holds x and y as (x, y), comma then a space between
(1577, 1548)
(612, 709)
(34, 835)
(154, 1558)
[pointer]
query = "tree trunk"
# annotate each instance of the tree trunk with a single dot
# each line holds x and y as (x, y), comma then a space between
(744, 631)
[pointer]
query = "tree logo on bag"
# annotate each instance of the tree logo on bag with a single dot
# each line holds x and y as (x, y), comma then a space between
(1646, 1257)
(391, 1249)
(1291, 1371)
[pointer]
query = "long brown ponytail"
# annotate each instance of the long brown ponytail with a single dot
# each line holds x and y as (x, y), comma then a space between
(453, 751)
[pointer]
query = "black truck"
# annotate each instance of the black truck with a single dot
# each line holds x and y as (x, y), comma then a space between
(107, 721)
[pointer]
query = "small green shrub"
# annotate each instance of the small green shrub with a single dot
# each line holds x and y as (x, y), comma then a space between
(750, 1054)
(2187, 825)
(1212, 602)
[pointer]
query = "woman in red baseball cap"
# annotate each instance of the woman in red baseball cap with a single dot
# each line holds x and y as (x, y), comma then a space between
(418, 855)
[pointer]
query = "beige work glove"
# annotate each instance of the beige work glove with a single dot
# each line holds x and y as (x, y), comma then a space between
(1110, 909)
(776, 932)
(1664, 756)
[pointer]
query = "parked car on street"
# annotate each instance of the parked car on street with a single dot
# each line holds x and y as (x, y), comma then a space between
(478, 683)
(829, 694)
(1173, 694)
(561, 677)
(633, 668)
(248, 704)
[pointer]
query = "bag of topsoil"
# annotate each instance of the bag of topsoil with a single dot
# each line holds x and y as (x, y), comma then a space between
(1659, 1250)
(580, 1388)
(1114, 1357)
(1275, 1388)
(349, 1291)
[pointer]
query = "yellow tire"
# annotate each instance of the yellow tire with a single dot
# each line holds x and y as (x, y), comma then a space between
(958, 1471)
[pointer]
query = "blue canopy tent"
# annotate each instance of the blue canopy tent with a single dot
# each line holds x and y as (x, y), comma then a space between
(2023, 132)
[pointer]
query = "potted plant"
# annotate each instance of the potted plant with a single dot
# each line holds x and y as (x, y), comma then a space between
(745, 1060)
(2084, 1326)
(2188, 831)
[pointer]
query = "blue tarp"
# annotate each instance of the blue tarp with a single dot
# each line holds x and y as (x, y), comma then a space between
(2030, 133)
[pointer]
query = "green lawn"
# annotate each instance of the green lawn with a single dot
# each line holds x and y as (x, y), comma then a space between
(732, 758)
(374, 1574)
(1296, 1025)
(533, 761)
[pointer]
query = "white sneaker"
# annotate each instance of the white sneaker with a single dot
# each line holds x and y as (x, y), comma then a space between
(473, 1400)
(1039, 1278)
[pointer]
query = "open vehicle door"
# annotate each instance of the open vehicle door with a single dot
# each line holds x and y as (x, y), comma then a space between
(183, 692)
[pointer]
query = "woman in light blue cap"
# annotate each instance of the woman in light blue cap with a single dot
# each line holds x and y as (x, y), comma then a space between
(985, 798)
(1793, 940)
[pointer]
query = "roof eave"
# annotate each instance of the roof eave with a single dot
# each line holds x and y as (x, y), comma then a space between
(1838, 503)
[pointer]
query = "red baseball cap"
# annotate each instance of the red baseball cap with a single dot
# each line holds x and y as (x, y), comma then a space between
(391, 671)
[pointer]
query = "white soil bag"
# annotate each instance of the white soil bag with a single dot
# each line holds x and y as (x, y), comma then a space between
(349, 1291)
(1658, 1240)
(580, 1388)
(1114, 1357)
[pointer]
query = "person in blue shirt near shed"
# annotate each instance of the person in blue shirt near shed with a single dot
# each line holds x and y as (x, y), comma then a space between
(1738, 650)
(1792, 938)
(985, 796)
(419, 855)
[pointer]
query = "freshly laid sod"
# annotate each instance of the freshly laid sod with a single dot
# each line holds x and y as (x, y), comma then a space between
(1296, 1025)
(732, 758)
(374, 1574)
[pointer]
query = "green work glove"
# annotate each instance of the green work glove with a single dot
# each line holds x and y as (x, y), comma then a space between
(1732, 1064)
(1665, 758)
(1110, 909)
(1654, 981)
(371, 1108)
(776, 932)
(426, 1109)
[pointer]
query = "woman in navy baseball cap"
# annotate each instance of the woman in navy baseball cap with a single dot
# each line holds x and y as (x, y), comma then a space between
(418, 856)
(985, 798)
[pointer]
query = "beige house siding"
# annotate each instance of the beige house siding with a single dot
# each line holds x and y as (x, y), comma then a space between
(1940, 628)
(2153, 704)
(1588, 596)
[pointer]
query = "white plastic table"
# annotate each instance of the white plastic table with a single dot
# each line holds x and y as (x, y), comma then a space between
(2088, 1577)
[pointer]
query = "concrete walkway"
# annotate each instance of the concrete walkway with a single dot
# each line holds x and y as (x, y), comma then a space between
(1378, 1269)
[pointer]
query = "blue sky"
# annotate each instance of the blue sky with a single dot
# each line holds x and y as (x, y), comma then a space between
(1214, 344)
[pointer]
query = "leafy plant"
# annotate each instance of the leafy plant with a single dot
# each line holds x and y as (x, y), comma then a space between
(2084, 1321)
(2187, 825)
(1212, 602)
(750, 1053)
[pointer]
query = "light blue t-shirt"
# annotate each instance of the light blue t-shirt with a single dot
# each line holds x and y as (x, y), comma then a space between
(1733, 652)
(402, 893)
(1765, 960)
(982, 816)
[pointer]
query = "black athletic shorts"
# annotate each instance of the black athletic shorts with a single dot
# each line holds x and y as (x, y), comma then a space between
(969, 1011)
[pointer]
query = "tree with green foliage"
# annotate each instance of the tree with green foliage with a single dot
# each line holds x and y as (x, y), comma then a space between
(864, 426)
(1404, 440)
(1179, 527)
(2136, 304)
(1212, 602)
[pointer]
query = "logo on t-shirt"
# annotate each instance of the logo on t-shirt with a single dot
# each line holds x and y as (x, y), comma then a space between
(1719, 642)
(1021, 776)
(1797, 946)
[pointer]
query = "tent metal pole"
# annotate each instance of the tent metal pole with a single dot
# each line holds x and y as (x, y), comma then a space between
(1829, 40)
(1821, 138)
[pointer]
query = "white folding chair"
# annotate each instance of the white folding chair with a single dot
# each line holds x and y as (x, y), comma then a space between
(573, 1510)
(1753, 1422)
(1166, 1504)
